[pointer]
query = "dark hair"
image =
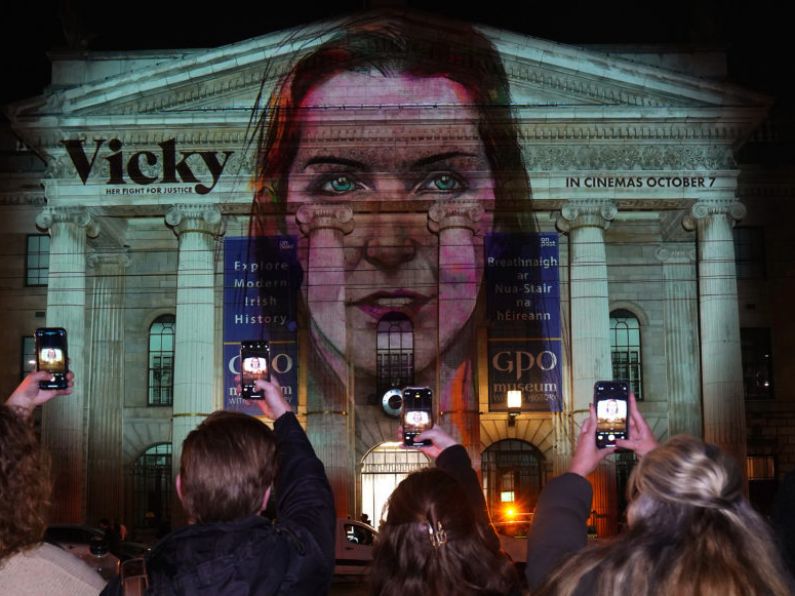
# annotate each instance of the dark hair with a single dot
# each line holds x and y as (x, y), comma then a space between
(25, 484)
(409, 558)
(227, 464)
(392, 46)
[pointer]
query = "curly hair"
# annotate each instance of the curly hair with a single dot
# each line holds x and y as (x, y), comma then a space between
(691, 531)
(25, 484)
(410, 560)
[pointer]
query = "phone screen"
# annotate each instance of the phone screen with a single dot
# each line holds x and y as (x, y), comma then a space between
(611, 399)
(254, 365)
(51, 356)
(417, 414)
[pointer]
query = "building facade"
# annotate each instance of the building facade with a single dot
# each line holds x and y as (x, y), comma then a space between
(142, 212)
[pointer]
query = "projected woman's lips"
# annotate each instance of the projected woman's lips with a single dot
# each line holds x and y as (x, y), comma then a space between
(379, 304)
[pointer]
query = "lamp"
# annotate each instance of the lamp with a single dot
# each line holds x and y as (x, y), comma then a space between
(514, 403)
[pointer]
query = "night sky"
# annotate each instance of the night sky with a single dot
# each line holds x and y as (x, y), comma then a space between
(756, 35)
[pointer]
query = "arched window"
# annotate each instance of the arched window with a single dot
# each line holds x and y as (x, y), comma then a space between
(152, 488)
(512, 472)
(394, 352)
(625, 349)
(383, 468)
(161, 361)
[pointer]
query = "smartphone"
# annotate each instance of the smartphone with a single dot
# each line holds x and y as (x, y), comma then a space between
(417, 414)
(611, 399)
(51, 355)
(255, 357)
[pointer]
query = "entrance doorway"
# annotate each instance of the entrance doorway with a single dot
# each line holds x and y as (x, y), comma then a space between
(383, 468)
(512, 472)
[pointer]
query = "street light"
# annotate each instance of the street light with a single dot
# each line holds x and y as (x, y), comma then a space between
(514, 403)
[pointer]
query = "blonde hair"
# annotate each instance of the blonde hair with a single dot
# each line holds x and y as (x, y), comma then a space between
(691, 531)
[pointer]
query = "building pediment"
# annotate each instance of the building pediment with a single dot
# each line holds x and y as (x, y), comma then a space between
(579, 111)
(223, 83)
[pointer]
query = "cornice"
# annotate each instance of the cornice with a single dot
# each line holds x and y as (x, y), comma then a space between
(35, 199)
(557, 157)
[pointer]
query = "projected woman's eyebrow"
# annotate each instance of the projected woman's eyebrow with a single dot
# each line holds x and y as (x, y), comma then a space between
(335, 160)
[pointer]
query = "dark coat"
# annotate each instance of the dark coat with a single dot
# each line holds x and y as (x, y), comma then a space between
(559, 527)
(293, 555)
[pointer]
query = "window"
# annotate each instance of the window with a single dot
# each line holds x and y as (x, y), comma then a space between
(749, 252)
(28, 363)
(394, 352)
(37, 260)
(625, 349)
(757, 363)
(161, 361)
(152, 486)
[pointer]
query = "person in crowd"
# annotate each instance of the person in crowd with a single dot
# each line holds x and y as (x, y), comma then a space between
(690, 528)
(229, 467)
(29, 566)
(436, 537)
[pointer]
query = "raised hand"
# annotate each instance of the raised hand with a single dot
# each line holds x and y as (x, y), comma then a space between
(274, 404)
(641, 438)
(28, 394)
(586, 455)
(439, 439)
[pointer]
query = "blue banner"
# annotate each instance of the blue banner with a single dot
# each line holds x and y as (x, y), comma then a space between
(523, 309)
(262, 278)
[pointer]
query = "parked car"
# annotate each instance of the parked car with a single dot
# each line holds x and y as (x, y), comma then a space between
(86, 543)
(354, 547)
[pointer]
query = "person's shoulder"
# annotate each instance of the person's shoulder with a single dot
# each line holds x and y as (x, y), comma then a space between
(48, 569)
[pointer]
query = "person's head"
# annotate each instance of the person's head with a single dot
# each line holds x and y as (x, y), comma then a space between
(691, 531)
(431, 542)
(392, 115)
(227, 468)
(25, 484)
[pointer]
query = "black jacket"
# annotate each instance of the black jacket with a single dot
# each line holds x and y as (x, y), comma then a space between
(559, 526)
(293, 555)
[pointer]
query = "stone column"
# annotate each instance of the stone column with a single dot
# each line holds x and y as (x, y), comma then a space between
(330, 414)
(681, 340)
(194, 343)
(106, 387)
(585, 223)
(460, 272)
(721, 359)
(63, 427)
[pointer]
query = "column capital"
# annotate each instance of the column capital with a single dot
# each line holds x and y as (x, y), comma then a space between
(705, 209)
(675, 255)
(118, 258)
(446, 214)
(315, 216)
(205, 219)
(78, 216)
(578, 214)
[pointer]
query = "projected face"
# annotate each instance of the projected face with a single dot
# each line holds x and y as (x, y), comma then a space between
(611, 414)
(52, 359)
(350, 153)
(417, 419)
(254, 365)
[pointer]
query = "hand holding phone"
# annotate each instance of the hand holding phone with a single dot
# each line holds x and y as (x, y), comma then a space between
(51, 356)
(254, 366)
(416, 415)
(611, 400)
(29, 393)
